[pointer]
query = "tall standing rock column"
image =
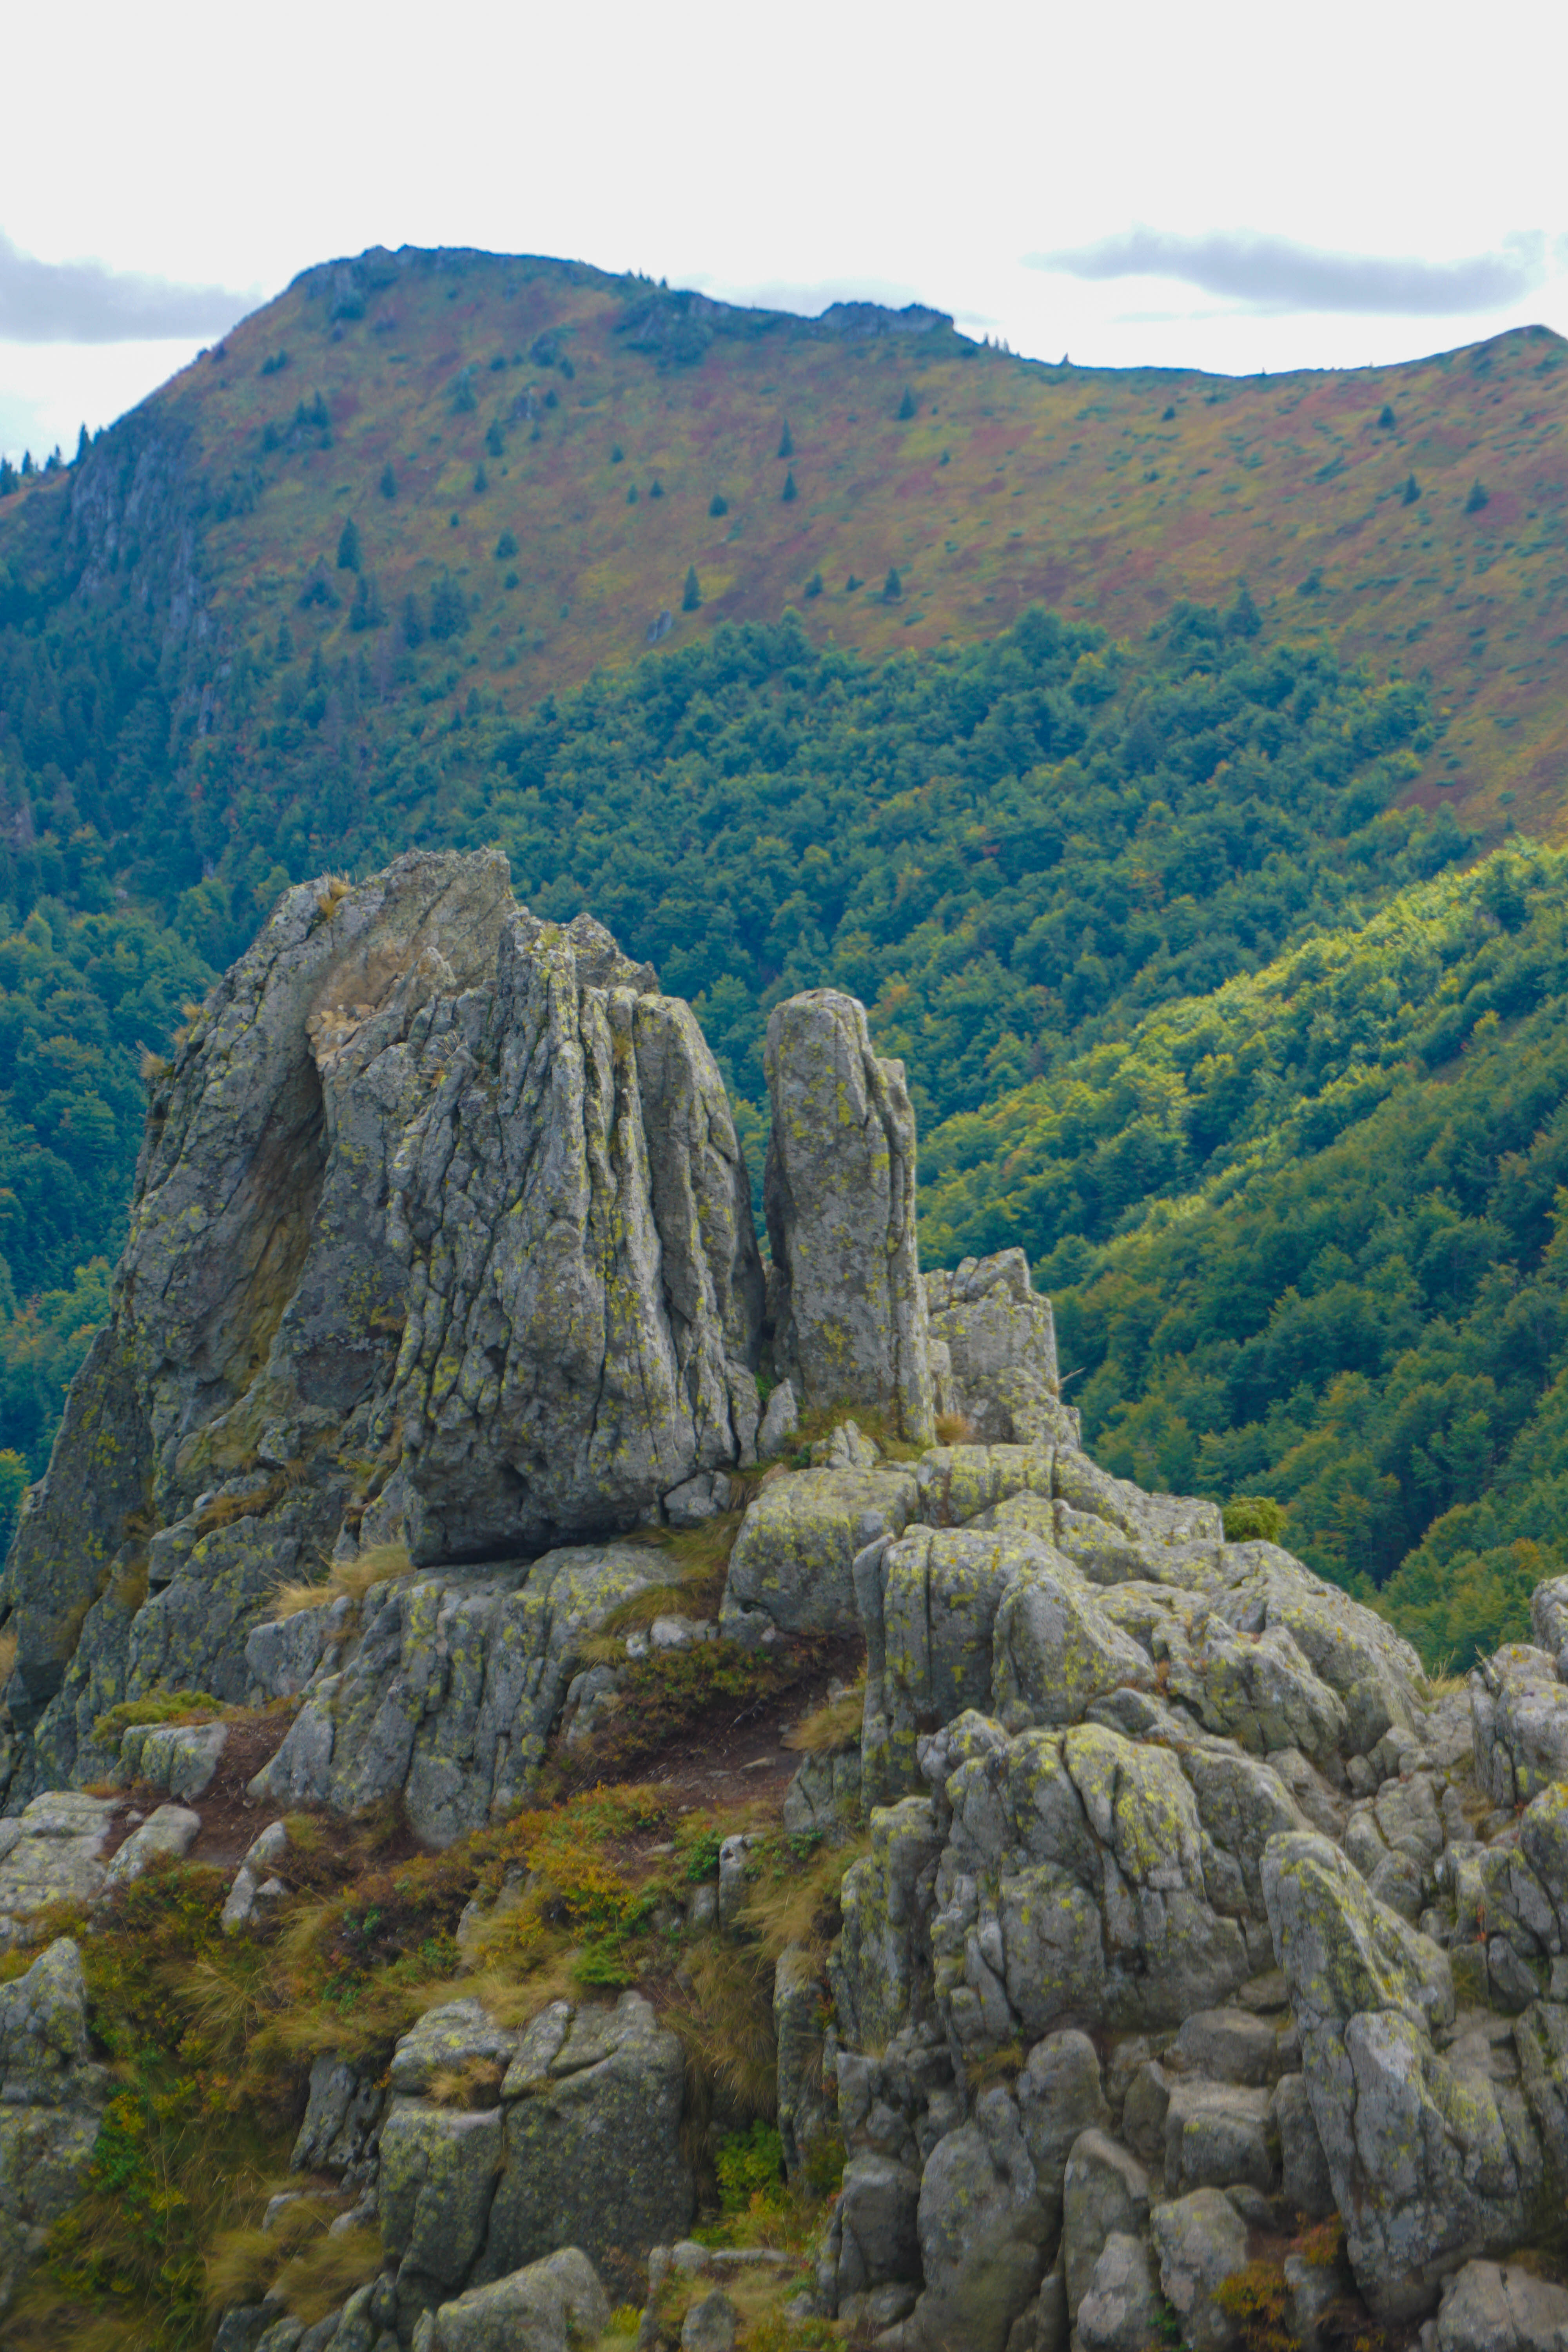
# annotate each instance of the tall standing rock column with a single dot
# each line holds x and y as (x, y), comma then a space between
(849, 1310)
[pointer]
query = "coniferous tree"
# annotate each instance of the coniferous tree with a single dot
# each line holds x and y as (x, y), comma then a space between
(348, 546)
(493, 441)
(789, 493)
(1479, 498)
(892, 587)
(786, 441)
(83, 444)
(388, 481)
(1410, 493)
(691, 595)
(481, 481)
(717, 505)
(906, 406)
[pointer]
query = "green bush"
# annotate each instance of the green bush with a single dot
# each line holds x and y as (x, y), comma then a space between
(1251, 1519)
(749, 2165)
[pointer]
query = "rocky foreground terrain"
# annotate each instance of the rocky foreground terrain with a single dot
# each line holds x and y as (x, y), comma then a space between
(1194, 1971)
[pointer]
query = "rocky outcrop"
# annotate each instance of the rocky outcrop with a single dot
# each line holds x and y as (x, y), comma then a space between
(849, 1307)
(1187, 1914)
(54, 2096)
(441, 1236)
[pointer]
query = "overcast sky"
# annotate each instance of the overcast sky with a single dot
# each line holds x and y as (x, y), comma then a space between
(1218, 185)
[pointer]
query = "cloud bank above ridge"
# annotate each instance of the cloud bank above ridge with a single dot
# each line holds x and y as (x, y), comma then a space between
(1275, 274)
(85, 302)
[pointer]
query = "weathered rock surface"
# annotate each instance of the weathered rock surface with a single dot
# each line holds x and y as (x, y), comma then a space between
(550, 2305)
(449, 1692)
(52, 2097)
(435, 1197)
(850, 1314)
(1187, 1911)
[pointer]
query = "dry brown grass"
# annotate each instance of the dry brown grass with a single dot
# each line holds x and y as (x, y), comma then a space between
(699, 1559)
(834, 1729)
(327, 2272)
(1002, 2065)
(356, 1577)
(795, 1901)
(336, 890)
(955, 1428)
(8, 1656)
(476, 2084)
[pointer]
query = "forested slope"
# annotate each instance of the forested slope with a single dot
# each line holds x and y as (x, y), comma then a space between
(1193, 1006)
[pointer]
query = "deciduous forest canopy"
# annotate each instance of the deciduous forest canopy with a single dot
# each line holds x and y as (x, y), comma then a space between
(1265, 1079)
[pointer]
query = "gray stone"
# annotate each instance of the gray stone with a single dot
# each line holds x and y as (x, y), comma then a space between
(51, 2100)
(1219, 2136)
(181, 1758)
(1304, 2169)
(435, 2184)
(552, 2305)
(455, 1189)
(1200, 2241)
(54, 1855)
(1000, 1341)
(450, 1693)
(711, 2324)
(1120, 2310)
(980, 2222)
(1229, 2044)
(799, 2005)
(456, 2035)
(1498, 2307)
(781, 1419)
(172, 1830)
(876, 2224)
(593, 2156)
(343, 2118)
(1105, 2192)
(1519, 1716)
(793, 1558)
(1059, 2097)
(1427, 2166)
(849, 1309)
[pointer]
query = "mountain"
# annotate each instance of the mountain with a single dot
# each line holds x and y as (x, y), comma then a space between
(350, 468)
(271, 624)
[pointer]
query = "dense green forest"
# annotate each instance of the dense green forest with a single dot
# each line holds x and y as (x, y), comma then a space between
(1265, 1083)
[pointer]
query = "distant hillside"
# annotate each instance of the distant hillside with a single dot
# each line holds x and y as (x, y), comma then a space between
(423, 485)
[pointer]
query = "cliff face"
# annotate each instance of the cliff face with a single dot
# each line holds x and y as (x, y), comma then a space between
(440, 1222)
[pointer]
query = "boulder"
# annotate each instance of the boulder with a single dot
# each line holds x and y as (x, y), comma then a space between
(793, 1562)
(52, 1852)
(551, 2305)
(1518, 1713)
(1105, 2192)
(1498, 2308)
(592, 2154)
(1121, 2311)
(874, 2236)
(1000, 1341)
(172, 1830)
(981, 2234)
(53, 2103)
(1200, 2241)
(849, 1306)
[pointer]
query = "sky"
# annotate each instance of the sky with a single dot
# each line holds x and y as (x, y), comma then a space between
(1220, 186)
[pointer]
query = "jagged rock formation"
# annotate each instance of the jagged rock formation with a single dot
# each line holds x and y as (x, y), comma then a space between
(441, 1225)
(53, 2098)
(849, 1308)
(1189, 1912)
